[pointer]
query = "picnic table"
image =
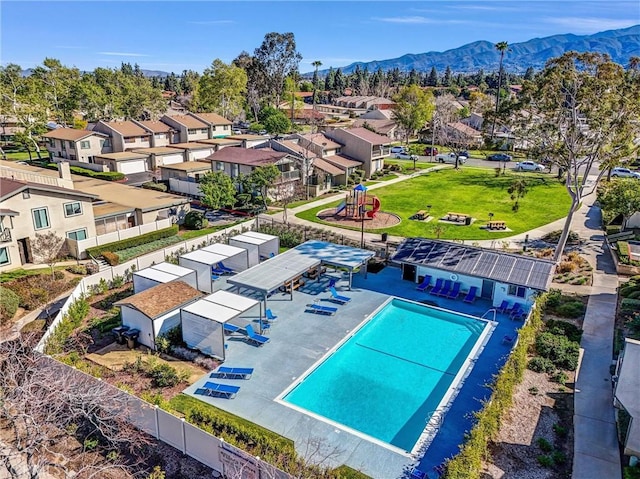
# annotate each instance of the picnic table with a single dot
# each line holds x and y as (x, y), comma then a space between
(457, 217)
(497, 225)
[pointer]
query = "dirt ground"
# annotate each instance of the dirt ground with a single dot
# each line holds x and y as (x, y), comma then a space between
(381, 220)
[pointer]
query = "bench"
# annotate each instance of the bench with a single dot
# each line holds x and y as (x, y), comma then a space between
(457, 217)
(497, 225)
(297, 283)
(621, 236)
(315, 273)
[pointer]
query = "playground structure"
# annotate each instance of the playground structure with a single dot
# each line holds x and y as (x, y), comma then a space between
(356, 202)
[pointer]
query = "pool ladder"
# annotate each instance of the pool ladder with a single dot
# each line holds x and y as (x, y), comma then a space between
(490, 310)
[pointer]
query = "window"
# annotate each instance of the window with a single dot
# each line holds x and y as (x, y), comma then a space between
(226, 127)
(204, 130)
(219, 166)
(72, 209)
(4, 256)
(130, 139)
(40, 218)
(235, 170)
(105, 143)
(72, 145)
(85, 145)
(73, 157)
(518, 291)
(77, 234)
(26, 195)
(160, 135)
(192, 131)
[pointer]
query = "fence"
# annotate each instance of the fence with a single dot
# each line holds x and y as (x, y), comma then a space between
(189, 188)
(78, 248)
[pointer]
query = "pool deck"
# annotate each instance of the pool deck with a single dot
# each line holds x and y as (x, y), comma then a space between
(300, 339)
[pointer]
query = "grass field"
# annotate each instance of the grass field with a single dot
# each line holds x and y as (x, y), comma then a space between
(472, 191)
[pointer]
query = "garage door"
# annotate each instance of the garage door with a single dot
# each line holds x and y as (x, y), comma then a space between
(199, 154)
(172, 159)
(133, 166)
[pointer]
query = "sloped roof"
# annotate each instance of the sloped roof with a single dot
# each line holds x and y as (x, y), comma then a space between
(381, 126)
(156, 126)
(9, 188)
(369, 136)
(213, 118)
(321, 139)
(188, 166)
(161, 299)
(127, 128)
(465, 129)
(71, 134)
(189, 121)
(327, 167)
(484, 263)
(122, 156)
(247, 156)
(342, 161)
(157, 150)
(191, 145)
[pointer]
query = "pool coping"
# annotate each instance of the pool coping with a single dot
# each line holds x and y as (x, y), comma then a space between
(432, 426)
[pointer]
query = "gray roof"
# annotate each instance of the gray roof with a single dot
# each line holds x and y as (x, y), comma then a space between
(275, 272)
(470, 260)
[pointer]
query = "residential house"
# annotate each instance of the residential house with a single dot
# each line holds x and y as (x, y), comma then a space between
(219, 126)
(626, 397)
(160, 156)
(187, 171)
(364, 103)
(162, 133)
(193, 150)
(125, 135)
(460, 134)
(79, 147)
(126, 162)
(220, 143)
(332, 162)
(9, 126)
(189, 127)
(251, 141)
(475, 121)
(363, 145)
(28, 208)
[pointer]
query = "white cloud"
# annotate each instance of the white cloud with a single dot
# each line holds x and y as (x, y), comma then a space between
(590, 24)
(123, 54)
(416, 19)
(211, 22)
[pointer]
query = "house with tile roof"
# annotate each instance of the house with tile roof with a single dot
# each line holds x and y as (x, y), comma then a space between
(364, 146)
(219, 126)
(76, 146)
(237, 161)
(29, 208)
(161, 133)
(125, 135)
(189, 127)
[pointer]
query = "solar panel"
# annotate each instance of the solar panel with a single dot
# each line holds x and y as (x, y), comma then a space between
(485, 264)
(468, 260)
(452, 256)
(521, 270)
(502, 269)
(540, 273)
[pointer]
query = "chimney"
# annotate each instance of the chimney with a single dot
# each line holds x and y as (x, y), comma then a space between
(64, 173)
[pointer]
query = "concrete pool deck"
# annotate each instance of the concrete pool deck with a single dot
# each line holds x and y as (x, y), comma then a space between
(300, 339)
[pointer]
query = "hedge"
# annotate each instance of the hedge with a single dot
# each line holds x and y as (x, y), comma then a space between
(9, 302)
(100, 175)
(629, 304)
(468, 463)
(131, 242)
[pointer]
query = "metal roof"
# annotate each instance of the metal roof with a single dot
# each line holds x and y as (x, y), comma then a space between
(275, 272)
(221, 306)
(499, 266)
(224, 249)
(205, 257)
(156, 275)
(172, 269)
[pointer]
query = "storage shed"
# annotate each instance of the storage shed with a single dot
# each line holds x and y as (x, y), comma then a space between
(237, 258)
(203, 321)
(202, 262)
(156, 310)
(259, 245)
(162, 273)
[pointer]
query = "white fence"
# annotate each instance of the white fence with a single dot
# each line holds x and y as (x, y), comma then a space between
(78, 248)
(185, 187)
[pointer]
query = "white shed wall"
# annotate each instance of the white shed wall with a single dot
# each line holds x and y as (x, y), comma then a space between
(253, 251)
(203, 334)
(135, 319)
(202, 272)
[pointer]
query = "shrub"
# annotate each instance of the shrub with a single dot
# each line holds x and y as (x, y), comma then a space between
(560, 430)
(629, 304)
(544, 445)
(560, 377)
(634, 295)
(111, 258)
(116, 282)
(150, 185)
(77, 269)
(541, 365)
(559, 349)
(195, 220)
(554, 237)
(9, 302)
(545, 461)
(558, 457)
(162, 344)
(571, 309)
(163, 375)
(554, 298)
(135, 241)
(565, 267)
(571, 331)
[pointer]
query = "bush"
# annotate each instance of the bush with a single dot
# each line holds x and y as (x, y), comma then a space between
(571, 331)
(629, 304)
(9, 302)
(544, 445)
(101, 175)
(195, 220)
(560, 431)
(554, 298)
(554, 237)
(111, 258)
(565, 267)
(571, 309)
(559, 349)
(150, 185)
(135, 241)
(558, 457)
(560, 377)
(162, 375)
(541, 365)
(545, 461)
(77, 269)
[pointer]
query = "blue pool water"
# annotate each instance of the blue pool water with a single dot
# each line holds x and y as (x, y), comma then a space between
(388, 378)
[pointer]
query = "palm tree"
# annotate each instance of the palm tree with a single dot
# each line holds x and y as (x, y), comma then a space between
(501, 47)
(316, 64)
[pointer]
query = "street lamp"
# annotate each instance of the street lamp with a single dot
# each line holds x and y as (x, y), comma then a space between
(490, 216)
(361, 210)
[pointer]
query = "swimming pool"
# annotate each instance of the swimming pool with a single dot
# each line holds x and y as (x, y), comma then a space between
(386, 381)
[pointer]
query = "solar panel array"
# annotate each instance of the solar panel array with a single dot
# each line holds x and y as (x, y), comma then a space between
(504, 267)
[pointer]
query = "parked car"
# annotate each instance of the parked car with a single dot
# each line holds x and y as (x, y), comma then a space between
(529, 166)
(464, 154)
(398, 149)
(499, 157)
(619, 172)
(430, 151)
(405, 156)
(451, 158)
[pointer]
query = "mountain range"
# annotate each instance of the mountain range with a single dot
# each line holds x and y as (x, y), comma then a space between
(620, 45)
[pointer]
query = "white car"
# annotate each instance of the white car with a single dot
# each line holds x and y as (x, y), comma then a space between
(405, 156)
(398, 149)
(529, 166)
(620, 172)
(451, 158)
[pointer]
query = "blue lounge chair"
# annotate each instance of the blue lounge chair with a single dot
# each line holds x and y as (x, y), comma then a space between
(338, 298)
(222, 267)
(232, 373)
(446, 288)
(438, 287)
(270, 315)
(231, 328)
(504, 306)
(255, 337)
(455, 291)
(215, 277)
(507, 339)
(425, 283)
(320, 309)
(418, 474)
(220, 390)
(217, 271)
(471, 295)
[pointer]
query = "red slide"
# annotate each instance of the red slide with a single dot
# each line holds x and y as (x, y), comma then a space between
(376, 206)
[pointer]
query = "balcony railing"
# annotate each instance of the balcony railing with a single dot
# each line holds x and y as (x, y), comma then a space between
(5, 235)
(378, 152)
(289, 175)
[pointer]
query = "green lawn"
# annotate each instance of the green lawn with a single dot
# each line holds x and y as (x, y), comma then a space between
(472, 191)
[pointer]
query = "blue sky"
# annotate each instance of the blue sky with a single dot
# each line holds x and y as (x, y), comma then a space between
(174, 36)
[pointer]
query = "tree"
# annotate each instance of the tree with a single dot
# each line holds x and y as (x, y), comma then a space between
(316, 64)
(47, 248)
(262, 178)
(414, 108)
(274, 121)
(517, 190)
(445, 116)
(433, 77)
(217, 189)
(580, 108)
(620, 196)
(221, 89)
(502, 47)
(58, 84)
(277, 58)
